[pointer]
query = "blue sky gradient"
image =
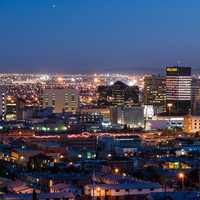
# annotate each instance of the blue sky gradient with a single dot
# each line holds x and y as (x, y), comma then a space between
(98, 35)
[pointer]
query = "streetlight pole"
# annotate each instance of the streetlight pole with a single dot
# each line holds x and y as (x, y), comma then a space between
(182, 176)
(169, 106)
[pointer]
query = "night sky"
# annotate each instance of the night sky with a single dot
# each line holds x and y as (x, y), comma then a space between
(98, 35)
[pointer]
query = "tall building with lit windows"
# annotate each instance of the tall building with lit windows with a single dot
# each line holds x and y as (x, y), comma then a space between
(155, 92)
(196, 96)
(61, 99)
(178, 90)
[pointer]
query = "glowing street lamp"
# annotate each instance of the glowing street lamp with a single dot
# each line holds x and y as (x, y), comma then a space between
(181, 176)
(109, 155)
(79, 156)
(169, 106)
(124, 174)
(116, 170)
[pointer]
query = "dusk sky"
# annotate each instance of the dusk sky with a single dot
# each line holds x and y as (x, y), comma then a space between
(98, 35)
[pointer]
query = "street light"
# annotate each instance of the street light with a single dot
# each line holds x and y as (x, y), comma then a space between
(124, 174)
(109, 155)
(79, 156)
(169, 106)
(116, 170)
(181, 176)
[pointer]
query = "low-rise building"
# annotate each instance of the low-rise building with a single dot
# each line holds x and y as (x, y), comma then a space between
(104, 112)
(101, 191)
(132, 117)
(40, 196)
(119, 145)
(191, 124)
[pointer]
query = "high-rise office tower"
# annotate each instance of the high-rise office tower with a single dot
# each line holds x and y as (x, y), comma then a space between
(155, 92)
(20, 106)
(195, 96)
(61, 99)
(179, 88)
(118, 93)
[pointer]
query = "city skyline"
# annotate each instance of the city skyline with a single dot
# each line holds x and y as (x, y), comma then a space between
(99, 100)
(98, 36)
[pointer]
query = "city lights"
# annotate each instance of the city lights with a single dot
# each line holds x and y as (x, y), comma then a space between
(89, 109)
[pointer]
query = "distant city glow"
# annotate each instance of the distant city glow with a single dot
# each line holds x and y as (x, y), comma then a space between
(44, 77)
(132, 83)
(111, 83)
(60, 79)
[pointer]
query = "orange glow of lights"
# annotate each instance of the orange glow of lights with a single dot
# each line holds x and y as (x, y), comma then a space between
(181, 175)
(60, 79)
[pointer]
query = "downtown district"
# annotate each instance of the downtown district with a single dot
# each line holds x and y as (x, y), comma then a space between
(100, 136)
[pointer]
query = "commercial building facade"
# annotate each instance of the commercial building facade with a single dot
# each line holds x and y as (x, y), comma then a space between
(195, 96)
(132, 117)
(155, 92)
(191, 124)
(61, 99)
(178, 90)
